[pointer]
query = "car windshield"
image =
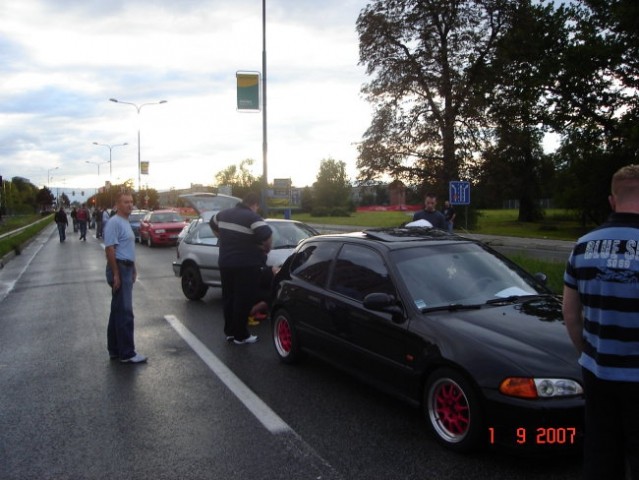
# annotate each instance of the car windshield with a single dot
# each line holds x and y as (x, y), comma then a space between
(289, 234)
(136, 217)
(460, 274)
(165, 217)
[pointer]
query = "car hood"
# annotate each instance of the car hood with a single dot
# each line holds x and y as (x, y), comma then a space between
(527, 338)
(278, 256)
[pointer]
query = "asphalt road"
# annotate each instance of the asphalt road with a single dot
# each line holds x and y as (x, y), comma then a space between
(200, 408)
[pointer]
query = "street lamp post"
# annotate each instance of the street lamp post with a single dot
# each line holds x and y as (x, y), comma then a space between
(98, 165)
(49, 175)
(110, 147)
(138, 108)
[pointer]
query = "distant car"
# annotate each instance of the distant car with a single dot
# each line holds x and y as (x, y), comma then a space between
(440, 321)
(161, 227)
(134, 219)
(198, 252)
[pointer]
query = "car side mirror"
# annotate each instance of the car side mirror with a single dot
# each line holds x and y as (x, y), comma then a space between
(383, 302)
(541, 278)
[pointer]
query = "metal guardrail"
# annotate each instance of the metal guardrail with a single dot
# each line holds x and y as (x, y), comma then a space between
(21, 229)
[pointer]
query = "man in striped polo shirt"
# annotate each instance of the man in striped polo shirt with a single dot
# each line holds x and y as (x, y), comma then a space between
(244, 240)
(601, 311)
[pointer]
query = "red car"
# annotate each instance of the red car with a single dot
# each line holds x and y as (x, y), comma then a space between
(161, 227)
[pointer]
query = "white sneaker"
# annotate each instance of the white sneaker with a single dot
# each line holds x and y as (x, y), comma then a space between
(137, 359)
(249, 339)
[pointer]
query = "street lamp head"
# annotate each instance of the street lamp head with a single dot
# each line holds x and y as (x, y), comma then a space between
(96, 143)
(113, 100)
(162, 101)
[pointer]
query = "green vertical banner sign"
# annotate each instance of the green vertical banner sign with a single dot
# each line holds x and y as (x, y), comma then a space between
(144, 168)
(248, 91)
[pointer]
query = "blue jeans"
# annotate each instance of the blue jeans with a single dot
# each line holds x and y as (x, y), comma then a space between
(62, 231)
(83, 229)
(120, 328)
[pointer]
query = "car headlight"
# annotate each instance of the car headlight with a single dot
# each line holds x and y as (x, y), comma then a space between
(160, 230)
(540, 387)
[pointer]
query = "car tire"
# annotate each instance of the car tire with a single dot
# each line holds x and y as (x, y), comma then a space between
(453, 411)
(285, 337)
(192, 285)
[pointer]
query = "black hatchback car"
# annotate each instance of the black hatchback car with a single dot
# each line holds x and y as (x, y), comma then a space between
(443, 322)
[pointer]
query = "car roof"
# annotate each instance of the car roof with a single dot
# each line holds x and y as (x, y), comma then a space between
(398, 237)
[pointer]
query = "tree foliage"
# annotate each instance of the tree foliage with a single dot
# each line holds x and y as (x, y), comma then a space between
(427, 59)
(239, 178)
(596, 101)
(332, 187)
(521, 74)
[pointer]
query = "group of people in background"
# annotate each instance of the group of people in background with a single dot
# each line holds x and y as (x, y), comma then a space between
(83, 219)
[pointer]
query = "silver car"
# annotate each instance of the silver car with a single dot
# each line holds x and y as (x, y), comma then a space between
(198, 252)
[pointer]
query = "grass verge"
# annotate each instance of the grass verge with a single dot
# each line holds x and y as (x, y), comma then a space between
(16, 242)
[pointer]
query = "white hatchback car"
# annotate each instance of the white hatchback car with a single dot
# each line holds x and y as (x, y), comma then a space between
(198, 252)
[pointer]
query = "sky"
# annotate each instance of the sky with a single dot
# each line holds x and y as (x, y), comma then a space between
(62, 60)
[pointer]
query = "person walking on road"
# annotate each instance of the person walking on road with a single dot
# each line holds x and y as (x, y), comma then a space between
(244, 239)
(601, 313)
(431, 214)
(119, 245)
(62, 222)
(83, 217)
(74, 219)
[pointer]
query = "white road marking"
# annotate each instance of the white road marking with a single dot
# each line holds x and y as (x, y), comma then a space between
(255, 405)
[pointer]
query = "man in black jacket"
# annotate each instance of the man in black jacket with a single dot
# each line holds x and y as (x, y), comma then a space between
(63, 222)
(244, 240)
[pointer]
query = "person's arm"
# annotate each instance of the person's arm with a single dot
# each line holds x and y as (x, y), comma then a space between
(267, 244)
(110, 255)
(573, 317)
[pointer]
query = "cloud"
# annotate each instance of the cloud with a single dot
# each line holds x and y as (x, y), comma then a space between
(61, 60)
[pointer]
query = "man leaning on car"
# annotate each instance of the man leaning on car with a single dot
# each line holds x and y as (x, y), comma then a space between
(244, 241)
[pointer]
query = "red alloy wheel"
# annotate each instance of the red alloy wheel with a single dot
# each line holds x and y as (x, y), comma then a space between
(453, 410)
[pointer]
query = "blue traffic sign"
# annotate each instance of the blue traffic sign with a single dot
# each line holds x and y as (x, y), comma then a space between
(459, 193)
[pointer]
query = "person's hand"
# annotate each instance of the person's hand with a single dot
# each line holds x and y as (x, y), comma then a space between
(116, 282)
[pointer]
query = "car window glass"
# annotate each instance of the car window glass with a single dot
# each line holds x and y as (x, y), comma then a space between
(205, 235)
(166, 217)
(360, 271)
(448, 274)
(312, 262)
(288, 234)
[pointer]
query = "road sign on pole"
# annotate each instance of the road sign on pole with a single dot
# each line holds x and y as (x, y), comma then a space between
(459, 193)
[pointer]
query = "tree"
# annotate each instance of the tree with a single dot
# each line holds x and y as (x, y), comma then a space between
(45, 199)
(521, 72)
(239, 178)
(427, 58)
(64, 200)
(596, 103)
(332, 187)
